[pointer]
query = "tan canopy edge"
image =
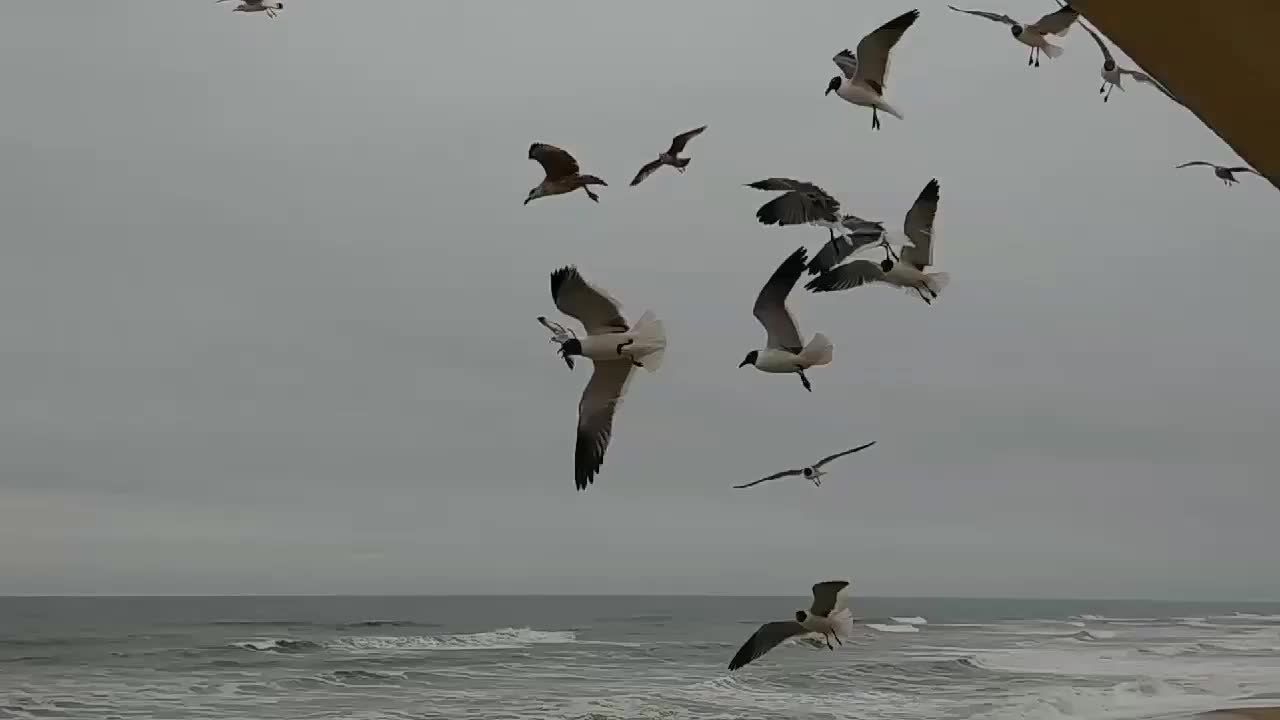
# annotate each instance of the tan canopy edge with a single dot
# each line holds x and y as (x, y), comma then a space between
(1217, 56)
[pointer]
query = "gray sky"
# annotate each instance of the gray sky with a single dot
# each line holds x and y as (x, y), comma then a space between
(268, 296)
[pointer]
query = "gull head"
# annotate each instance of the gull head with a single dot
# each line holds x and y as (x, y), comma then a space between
(534, 194)
(568, 349)
(801, 615)
(1109, 65)
(750, 359)
(1017, 30)
(886, 265)
(833, 86)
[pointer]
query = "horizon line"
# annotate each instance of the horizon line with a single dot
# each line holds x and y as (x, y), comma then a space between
(1252, 601)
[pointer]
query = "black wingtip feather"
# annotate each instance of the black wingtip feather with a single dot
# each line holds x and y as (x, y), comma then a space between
(903, 21)
(558, 277)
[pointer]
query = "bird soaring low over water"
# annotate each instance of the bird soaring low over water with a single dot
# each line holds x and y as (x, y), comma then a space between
(1112, 73)
(671, 156)
(1224, 173)
(812, 472)
(909, 270)
(862, 78)
(251, 6)
(562, 174)
(615, 348)
(785, 351)
(824, 617)
(1057, 23)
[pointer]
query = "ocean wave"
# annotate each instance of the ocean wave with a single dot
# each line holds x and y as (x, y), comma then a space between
(913, 620)
(1145, 697)
(251, 623)
(278, 645)
(878, 627)
(501, 639)
(388, 623)
(1251, 617)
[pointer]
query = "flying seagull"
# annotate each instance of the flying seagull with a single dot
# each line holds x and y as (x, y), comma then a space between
(1057, 23)
(671, 156)
(803, 203)
(812, 472)
(615, 348)
(785, 351)
(1112, 73)
(909, 270)
(562, 172)
(1222, 172)
(862, 76)
(250, 6)
(823, 618)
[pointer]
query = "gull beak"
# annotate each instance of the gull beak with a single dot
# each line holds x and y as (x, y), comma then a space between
(828, 92)
(526, 200)
(743, 364)
(568, 361)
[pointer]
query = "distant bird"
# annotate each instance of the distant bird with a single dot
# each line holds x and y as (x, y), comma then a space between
(1222, 172)
(862, 78)
(909, 270)
(671, 156)
(1057, 23)
(803, 203)
(615, 348)
(812, 472)
(823, 618)
(1112, 73)
(785, 351)
(251, 6)
(562, 174)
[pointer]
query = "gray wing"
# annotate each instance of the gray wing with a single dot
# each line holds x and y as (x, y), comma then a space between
(847, 62)
(801, 203)
(874, 49)
(678, 142)
(775, 476)
(646, 171)
(829, 458)
(862, 233)
(556, 163)
(1106, 51)
(768, 637)
(1195, 163)
(594, 308)
(988, 15)
(1244, 169)
(1057, 22)
(826, 595)
(1146, 79)
(771, 304)
(850, 275)
(779, 184)
(600, 399)
(918, 227)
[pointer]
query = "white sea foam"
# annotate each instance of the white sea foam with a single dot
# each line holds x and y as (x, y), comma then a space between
(892, 628)
(502, 639)
(913, 620)
(1094, 635)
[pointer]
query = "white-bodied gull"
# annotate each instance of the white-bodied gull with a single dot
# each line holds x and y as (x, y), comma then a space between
(1057, 23)
(1225, 173)
(862, 76)
(812, 472)
(824, 617)
(615, 348)
(1112, 74)
(254, 6)
(785, 351)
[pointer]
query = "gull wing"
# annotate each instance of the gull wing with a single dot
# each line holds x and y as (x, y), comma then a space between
(1057, 22)
(826, 595)
(646, 171)
(847, 62)
(997, 17)
(678, 142)
(600, 399)
(918, 226)
(1194, 163)
(775, 476)
(1106, 51)
(598, 312)
(850, 275)
(1146, 79)
(768, 637)
(771, 304)
(829, 458)
(862, 233)
(556, 163)
(874, 49)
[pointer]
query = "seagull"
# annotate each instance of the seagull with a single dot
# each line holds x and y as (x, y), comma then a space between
(909, 270)
(812, 472)
(822, 618)
(562, 173)
(248, 6)
(670, 157)
(785, 351)
(803, 203)
(1057, 23)
(1222, 172)
(1112, 73)
(615, 348)
(862, 77)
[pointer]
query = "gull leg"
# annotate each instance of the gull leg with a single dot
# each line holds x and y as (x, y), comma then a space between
(924, 297)
(804, 380)
(624, 344)
(828, 639)
(1031, 58)
(875, 119)
(1103, 88)
(838, 640)
(590, 194)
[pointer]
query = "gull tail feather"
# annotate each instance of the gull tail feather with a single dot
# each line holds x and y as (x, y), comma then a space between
(592, 180)
(819, 351)
(842, 622)
(650, 341)
(886, 107)
(1053, 51)
(937, 281)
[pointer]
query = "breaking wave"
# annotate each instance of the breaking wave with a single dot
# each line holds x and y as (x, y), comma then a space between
(878, 627)
(278, 645)
(501, 639)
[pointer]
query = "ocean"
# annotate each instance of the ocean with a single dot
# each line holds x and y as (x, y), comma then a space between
(601, 658)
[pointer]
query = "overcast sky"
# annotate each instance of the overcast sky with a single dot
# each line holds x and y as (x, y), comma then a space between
(267, 300)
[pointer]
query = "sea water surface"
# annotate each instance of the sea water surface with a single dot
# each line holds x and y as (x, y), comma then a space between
(625, 657)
